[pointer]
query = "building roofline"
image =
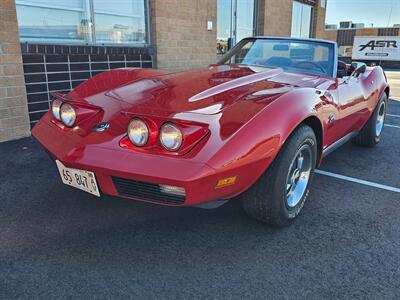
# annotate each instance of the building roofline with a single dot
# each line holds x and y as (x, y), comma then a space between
(291, 38)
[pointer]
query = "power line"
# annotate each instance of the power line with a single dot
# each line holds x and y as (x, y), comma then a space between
(390, 14)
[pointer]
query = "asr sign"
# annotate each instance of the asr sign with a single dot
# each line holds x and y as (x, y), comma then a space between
(376, 48)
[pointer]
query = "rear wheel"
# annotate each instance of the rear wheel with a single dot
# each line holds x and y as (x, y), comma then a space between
(280, 193)
(370, 134)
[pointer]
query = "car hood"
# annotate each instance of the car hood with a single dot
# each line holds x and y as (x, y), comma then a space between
(227, 96)
(207, 91)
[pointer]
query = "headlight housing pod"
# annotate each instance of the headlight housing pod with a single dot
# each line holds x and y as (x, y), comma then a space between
(170, 136)
(70, 113)
(138, 132)
(159, 135)
(67, 114)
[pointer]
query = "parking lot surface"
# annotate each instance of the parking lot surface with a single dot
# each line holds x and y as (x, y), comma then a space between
(59, 242)
(394, 81)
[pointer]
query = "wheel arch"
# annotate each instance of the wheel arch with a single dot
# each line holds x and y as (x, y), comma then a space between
(387, 91)
(316, 126)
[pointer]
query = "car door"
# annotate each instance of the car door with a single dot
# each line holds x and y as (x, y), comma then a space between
(353, 105)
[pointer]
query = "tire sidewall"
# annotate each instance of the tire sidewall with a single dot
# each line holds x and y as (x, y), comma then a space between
(290, 213)
(376, 112)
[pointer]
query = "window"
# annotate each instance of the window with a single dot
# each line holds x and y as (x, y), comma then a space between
(244, 19)
(235, 21)
(83, 21)
(301, 20)
(224, 25)
(119, 21)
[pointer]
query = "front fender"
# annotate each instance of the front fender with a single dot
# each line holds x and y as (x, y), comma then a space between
(381, 81)
(251, 150)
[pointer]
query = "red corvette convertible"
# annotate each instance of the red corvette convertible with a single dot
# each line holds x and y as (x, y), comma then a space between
(256, 125)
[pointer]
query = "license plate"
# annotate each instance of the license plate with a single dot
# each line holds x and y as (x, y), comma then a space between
(80, 179)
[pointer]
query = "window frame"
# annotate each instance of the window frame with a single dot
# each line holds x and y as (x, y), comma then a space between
(90, 13)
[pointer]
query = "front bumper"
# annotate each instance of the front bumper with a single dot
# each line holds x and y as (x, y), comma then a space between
(198, 179)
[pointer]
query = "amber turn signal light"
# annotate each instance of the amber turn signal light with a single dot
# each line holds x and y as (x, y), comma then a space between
(226, 181)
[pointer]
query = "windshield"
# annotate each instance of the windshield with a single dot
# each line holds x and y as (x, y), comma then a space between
(291, 55)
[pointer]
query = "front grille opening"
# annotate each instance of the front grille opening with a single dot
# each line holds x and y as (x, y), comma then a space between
(146, 191)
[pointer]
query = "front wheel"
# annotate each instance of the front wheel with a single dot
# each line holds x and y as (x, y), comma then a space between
(280, 193)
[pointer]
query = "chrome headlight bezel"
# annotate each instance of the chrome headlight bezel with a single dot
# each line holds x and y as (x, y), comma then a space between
(142, 129)
(67, 114)
(171, 137)
(55, 108)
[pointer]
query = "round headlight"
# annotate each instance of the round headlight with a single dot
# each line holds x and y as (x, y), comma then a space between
(170, 137)
(138, 132)
(67, 114)
(55, 108)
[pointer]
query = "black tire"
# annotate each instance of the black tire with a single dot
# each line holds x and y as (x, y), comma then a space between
(266, 200)
(368, 136)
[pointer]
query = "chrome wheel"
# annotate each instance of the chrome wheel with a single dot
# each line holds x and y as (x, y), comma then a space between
(380, 119)
(298, 176)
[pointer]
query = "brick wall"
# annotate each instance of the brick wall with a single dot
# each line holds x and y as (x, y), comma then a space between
(14, 121)
(389, 31)
(319, 22)
(277, 17)
(367, 32)
(180, 33)
(328, 35)
(60, 68)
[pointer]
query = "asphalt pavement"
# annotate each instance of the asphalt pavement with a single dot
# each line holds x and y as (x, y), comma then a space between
(59, 242)
(394, 81)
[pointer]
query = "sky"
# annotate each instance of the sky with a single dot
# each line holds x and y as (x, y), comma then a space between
(380, 13)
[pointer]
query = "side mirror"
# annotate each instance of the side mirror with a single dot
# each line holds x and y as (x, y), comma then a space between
(359, 68)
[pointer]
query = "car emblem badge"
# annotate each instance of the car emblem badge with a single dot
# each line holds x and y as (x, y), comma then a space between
(103, 126)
